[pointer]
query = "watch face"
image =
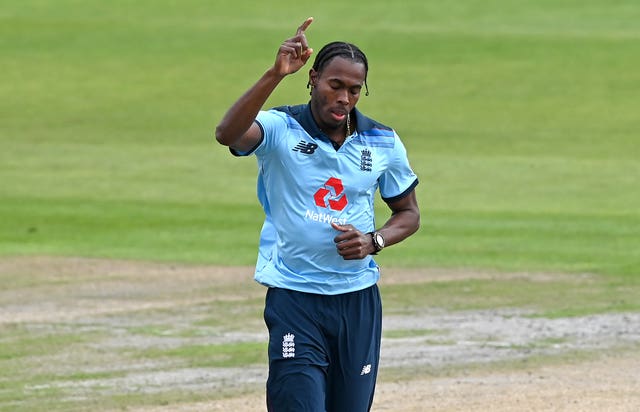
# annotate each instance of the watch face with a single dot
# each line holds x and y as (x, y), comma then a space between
(379, 240)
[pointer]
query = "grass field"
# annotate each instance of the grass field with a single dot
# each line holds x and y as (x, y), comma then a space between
(521, 122)
(520, 118)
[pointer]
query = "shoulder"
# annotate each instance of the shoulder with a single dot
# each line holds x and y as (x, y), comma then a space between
(272, 114)
(367, 124)
(273, 120)
(374, 132)
(292, 116)
(293, 111)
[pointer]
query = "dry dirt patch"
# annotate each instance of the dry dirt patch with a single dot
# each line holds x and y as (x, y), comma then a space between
(105, 293)
(606, 384)
(63, 289)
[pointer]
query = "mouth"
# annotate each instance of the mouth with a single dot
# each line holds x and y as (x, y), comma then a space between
(339, 115)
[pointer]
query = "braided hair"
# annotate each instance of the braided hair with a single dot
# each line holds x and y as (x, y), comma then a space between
(344, 50)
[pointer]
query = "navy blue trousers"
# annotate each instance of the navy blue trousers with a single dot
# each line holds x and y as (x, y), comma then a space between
(323, 350)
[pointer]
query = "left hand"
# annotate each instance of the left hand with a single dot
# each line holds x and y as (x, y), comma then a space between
(351, 243)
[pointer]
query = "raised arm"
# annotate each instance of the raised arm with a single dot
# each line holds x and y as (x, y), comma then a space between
(237, 128)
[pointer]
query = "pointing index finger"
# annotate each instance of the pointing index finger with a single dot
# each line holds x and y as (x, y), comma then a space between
(304, 26)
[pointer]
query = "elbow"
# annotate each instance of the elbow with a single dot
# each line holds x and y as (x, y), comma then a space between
(221, 136)
(415, 219)
(227, 135)
(416, 222)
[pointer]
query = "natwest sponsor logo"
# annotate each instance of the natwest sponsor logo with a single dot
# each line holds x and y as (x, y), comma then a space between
(324, 218)
(331, 195)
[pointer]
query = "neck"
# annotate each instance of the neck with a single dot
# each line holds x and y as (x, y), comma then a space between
(340, 136)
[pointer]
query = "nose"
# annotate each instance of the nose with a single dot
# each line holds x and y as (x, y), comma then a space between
(343, 97)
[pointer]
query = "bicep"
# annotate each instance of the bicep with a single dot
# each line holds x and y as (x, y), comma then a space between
(407, 203)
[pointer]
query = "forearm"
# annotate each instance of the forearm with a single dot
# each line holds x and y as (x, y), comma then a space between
(400, 226)
(242, 114)
(404, 220)
(235, 128)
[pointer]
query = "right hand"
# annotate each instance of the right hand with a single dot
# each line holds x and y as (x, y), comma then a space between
(294, 52)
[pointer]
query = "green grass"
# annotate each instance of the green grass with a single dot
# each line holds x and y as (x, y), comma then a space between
(520, 120)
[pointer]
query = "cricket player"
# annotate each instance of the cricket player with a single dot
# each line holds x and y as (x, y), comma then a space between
(320, 165)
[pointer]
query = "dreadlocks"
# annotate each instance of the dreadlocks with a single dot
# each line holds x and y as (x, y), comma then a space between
(344, 50)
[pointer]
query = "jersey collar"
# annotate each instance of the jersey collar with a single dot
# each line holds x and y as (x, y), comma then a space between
(309, 124)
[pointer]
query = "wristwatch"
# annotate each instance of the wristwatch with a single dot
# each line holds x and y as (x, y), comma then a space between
(378, 241)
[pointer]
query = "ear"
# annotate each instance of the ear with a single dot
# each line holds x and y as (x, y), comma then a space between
(313, 77)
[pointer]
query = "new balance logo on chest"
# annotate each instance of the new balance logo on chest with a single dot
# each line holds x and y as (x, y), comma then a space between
(305, 148)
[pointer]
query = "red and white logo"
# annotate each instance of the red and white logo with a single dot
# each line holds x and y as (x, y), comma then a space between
(331, 195)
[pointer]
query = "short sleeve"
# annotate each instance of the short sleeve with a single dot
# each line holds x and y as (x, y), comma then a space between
(399, 179)
(270, 123)
(274, 126)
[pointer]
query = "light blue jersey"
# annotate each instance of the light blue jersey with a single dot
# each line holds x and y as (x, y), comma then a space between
(304, 184)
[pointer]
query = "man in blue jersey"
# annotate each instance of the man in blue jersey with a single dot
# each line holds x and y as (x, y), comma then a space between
(320, 165)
